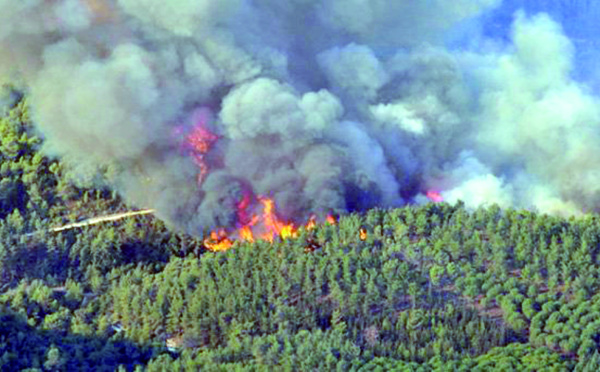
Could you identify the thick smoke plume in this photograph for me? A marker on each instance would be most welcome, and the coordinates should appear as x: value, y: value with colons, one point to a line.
x: 324, y: 106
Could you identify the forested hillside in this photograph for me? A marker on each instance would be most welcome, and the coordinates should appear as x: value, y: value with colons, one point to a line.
x: 421, y: 288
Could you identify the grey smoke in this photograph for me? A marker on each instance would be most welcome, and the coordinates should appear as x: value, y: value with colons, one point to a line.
x: 326, y: 106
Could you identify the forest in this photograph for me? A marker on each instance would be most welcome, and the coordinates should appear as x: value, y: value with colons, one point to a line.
x: 434, y: 287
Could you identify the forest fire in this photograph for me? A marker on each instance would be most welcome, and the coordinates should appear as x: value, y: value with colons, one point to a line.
x: 265, y: 226
x: 273, y: 225
x: 251, y: 226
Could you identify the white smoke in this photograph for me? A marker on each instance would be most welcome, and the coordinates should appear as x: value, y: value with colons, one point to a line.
x: 537, y: 120
x: 474, y: 183
x: 323, y: 105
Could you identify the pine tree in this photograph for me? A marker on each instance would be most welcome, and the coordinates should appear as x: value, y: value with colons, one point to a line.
x: 589, y: 364
x: 54, y: 361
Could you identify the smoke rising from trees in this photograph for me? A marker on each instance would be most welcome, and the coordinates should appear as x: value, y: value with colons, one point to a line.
x: 325, y: 106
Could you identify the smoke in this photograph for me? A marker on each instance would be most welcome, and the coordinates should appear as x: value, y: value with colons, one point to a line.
x: 325, y: 106
x: 535, y: 116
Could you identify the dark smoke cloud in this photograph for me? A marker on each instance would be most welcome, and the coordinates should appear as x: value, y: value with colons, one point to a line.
x: 326, y: 106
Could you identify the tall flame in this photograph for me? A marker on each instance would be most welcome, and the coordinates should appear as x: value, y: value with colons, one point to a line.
x: 273, y: 225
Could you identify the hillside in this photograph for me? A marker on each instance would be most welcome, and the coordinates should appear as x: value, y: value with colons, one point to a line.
x: 420, y: 288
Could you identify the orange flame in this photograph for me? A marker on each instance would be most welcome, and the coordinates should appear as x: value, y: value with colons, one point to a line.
x: 218, y: 241
x: 273, y: 224
x: 246, y: 234
x: 362, y: 234
x: 268, y: 226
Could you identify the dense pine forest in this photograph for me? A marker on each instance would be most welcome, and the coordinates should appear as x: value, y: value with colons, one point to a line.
x: 421, y: 288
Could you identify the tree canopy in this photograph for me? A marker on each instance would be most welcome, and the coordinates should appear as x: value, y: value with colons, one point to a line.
x: 419, y: 288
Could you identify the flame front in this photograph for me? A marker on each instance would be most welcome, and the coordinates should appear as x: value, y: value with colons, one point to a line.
x: 265, y: 226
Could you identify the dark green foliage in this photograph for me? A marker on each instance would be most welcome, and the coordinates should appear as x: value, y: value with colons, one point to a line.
x: 25, y: 346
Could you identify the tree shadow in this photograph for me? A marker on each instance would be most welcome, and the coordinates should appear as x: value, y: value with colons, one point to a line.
x: 23, y: 346
x: 33, y: 258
